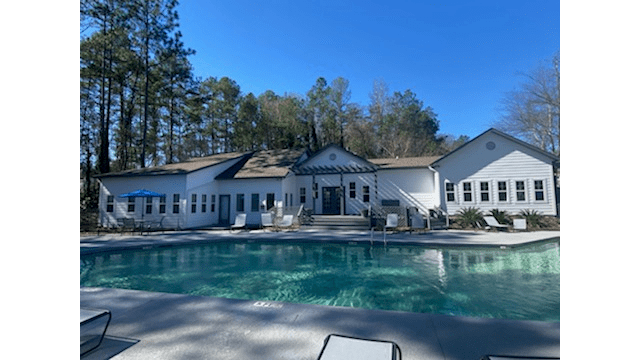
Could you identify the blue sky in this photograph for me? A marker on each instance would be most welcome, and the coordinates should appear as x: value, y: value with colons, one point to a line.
x: 459, y: 57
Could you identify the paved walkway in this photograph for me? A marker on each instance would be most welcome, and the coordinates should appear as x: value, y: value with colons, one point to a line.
x: 148, y: 325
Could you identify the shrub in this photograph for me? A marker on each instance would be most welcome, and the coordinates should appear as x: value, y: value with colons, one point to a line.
x: 500, y: 215
x: 532, y: 217
x: 468, y: 217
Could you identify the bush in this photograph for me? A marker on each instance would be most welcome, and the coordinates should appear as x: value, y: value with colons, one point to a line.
x: 532, y: 217
x: 469, y: 217
x: 501, y: 216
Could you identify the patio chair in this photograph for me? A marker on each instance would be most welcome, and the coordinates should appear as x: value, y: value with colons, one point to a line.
x: 494, y: 224
x: 240, y: 223
x: 128, y: 223
x: 417, y: 222
x: 286, y: 222
x: 266, y: 220
x: 520, y: 224
x: 392, y: 223
x: 337, y: 347
x: 93, y: 326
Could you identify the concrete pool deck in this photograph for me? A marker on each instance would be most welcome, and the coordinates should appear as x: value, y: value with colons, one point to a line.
x: 147, y: 325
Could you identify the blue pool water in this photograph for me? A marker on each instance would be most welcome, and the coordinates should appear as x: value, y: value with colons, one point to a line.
x: 521, y: 283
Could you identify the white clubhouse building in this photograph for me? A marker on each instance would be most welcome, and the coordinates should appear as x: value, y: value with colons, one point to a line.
x: 494, y: 170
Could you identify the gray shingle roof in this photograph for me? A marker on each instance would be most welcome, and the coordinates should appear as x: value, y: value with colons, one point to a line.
x: 410, y: 162
x: 177, y: 168
x: 264, y: 164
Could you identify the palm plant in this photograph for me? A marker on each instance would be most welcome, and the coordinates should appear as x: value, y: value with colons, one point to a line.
x: 532, y: 217
x: 500, y: 215
x: 469, y: 216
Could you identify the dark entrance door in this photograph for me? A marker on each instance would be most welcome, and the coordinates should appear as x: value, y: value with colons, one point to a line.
x: 225, y: 207
x: 331, y: 200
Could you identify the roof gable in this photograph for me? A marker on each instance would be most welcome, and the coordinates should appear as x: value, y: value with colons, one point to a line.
x: 492, y: 131
x: 263, y: 164
x: 333, y: 159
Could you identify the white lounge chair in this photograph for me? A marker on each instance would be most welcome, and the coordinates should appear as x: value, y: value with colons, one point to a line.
x: 93, y: 326
x: 240, y: 223
x: 266, y: 220
x: 520, y: 224
x: 287, y: 221
x: 338, y: 347
x: 392, y: 223
x: 493, y: 223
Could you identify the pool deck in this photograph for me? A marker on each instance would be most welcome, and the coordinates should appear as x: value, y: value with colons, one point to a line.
x: 147, y: 325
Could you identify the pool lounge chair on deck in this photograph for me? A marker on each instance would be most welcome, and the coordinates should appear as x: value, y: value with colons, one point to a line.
x: 240, y: 223
x: 493, y: 223
x: 286, y: 222
x: 392, y: 223
x: 93, y: 326
x: 266, y: 220
x: 337, y: 347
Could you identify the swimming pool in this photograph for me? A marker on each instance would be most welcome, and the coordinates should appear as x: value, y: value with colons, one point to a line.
x: 521, y: 283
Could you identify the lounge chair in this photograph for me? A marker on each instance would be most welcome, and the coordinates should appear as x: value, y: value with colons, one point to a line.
x: 502, y: 357
x: 287, y: 221
x: 417, y: 222
x: 240, y: 223
x: 520, y: 224
x: 266, y: 220
x: 493, y: 223
x: 392, y: 223
x: 338, y: 347
x: 93, y: 326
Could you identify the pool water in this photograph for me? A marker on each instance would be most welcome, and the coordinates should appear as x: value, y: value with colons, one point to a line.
x: 521, y: 283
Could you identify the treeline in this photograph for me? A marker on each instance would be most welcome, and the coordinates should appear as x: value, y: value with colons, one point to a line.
x: 141, y: 105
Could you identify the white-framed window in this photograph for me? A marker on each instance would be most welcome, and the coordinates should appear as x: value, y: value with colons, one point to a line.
x: 176, y: 203
x: 365, y: 194
x: 149, y: 207
x: 450, y: 191
x: 213, y: 202
x: 352, y: 190
x: 521, y: 190
x: 131, y: 206
x: 110, y: 202
x: 163, y: 205
x: 502, y: 191
x: 538, y: 187
x: 467, y: 193
x: 484, y: 191
x: 255, y: 202
x: 240, y: 202
x: 303, y: 195
x: 204, y: 203
x: 194, y: 202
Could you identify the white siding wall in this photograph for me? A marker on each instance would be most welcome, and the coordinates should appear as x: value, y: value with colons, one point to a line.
x: 248, y: 187
x: 508, y: 162
x: 413, y: 187
x: 169, y: 185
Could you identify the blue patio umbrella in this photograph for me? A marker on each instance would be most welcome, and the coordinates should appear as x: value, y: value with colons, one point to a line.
x: 143, y: 193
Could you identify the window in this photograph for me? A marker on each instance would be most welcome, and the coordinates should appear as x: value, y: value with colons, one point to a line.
x: 303, y: 195
x: 502, y: 191
x: 131, y: 207
x: 213, y: 203
x: 204, y: 203
x: 240, y: 202
x: 538, y: 186
x: 110, y: 200
x: 163, y: 205
x: 194, y: 202
x: 149, y: 207
x: 466, y: 191
x: 484, y: 191
x: 365, y: 193
x: 271, y: 199
x: 352, y: 190
x: 255, y: 202
x: 176, y: 203
x: 286, y: 200
x: 449, y: 188
x: 520, y: 191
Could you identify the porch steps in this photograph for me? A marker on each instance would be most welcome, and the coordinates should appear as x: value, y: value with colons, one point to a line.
x: 337, y: 222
